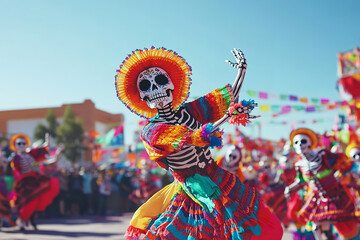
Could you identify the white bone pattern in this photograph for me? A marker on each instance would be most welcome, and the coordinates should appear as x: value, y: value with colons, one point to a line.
x: 313, y: 164
x: 26, y: 163
x: 190, y: 155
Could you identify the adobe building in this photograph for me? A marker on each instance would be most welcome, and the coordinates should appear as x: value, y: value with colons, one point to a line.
x: 25, y: 120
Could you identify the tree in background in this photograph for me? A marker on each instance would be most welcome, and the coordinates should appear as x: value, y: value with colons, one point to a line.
x: 71, y: 134
x: 50, y: 127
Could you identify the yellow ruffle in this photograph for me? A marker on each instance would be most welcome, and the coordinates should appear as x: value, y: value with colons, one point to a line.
x: 154, y: 206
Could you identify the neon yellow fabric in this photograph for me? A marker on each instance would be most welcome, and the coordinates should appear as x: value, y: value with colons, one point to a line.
x: 154, y: 206
x: 324, y: 173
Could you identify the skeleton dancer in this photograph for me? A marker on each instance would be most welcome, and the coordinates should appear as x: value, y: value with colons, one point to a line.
x: 328, y: 202
x: 205, y: 201
x: 34, y: 191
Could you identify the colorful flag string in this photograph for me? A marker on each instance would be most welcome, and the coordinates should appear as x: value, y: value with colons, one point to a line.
x: 307, y: 121
x: 288, y: 97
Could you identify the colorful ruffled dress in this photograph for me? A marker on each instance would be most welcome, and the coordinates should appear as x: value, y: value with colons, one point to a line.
x: 204, y: 201
x: 327, y: 200
x: 34, y: 191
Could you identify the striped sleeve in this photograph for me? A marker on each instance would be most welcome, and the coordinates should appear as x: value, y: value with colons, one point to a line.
x: 212, y: 106
x: 39, y: 154
x: 161, y: 140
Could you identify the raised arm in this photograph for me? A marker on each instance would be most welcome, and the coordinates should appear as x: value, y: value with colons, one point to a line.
x: 241, y: 66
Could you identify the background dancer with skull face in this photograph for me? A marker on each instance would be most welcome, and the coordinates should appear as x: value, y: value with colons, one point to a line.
x: 205, y: 201
x: 34, y: 191
x: 232, y: 161
x: 328, y: 201
x: 286, y: 175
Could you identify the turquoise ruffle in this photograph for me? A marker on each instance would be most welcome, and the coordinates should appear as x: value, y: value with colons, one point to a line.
x: 203, y: 189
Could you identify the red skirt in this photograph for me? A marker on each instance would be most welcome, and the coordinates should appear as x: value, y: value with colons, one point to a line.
x: 34, y: 193
x: 336, y: 208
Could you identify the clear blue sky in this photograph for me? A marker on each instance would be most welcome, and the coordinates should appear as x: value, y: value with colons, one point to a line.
x: 56, y: 52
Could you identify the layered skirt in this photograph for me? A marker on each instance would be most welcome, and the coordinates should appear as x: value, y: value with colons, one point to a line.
x: 337, y: 207
x: 34, y: 193
x: 215, y: 206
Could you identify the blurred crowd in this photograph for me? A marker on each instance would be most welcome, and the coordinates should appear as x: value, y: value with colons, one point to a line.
x: 94, y: 191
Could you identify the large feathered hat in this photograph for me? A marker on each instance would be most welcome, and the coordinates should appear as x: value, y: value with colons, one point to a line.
x: 141, y: 59
x: 12, y: 142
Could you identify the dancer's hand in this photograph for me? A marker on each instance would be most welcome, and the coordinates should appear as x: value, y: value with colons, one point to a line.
x: 240, y: 112
x: 240, y: 59
x: 241, y: 65
x: 47, y: 140
x: 247, y: 110
x: 59, y: 148
x: 287, y: 192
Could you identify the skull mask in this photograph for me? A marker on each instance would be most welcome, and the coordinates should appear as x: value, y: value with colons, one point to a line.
x: 20, y: 144
x: 155, y: 87
x: 355, y: 154
x: 232, y: 159
x: 302, y: 144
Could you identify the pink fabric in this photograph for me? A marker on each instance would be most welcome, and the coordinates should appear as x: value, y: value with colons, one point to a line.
x: 271, y: 228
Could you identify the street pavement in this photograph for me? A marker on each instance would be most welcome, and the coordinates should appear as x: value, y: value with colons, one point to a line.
x: 89, y: 228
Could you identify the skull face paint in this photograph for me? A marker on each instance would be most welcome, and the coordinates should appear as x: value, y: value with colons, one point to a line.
x: 20, y: 144
x: 302, y: 144
x: 355, y: 154
x: 155, y: 87
x: 232, y: 159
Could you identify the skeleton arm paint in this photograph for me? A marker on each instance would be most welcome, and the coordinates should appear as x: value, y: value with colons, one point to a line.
x: 241, y: 65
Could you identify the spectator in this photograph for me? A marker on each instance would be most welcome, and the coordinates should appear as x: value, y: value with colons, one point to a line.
x: 64, y: 196
x: 75, y: 184
x: 87, y: 177
x: 95, y: 196
x: 114, y: 198
x: 125, y: 187
x: 104, y: 191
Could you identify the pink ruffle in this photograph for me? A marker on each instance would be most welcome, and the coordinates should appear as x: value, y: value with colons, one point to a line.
x: 135, y: 233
